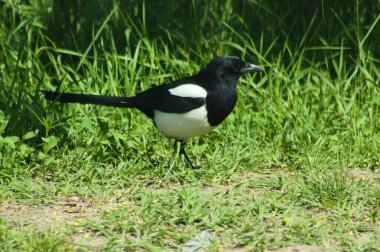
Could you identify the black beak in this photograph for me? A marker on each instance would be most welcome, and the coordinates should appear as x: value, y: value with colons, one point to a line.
x: 251, y: 68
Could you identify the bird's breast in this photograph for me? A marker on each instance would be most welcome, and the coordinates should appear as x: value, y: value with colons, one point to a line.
x: 183, y: 125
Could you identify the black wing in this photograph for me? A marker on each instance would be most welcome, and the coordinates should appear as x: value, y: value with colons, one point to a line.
x: 159, y: 98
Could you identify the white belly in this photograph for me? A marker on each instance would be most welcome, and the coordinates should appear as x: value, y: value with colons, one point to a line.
x: 183, y: 126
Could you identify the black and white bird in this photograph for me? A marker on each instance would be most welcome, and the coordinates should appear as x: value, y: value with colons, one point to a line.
x: 188, y: 107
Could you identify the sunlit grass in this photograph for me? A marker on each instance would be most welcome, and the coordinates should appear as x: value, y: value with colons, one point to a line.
x: 275, y: 173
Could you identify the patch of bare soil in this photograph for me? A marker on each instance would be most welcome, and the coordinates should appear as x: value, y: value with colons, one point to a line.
x: 242, y: 178
x: 372, y: 176
x: 65, y: 212
x: 303, y: 248
x: 291, y: 248
x: 68, y: 210
x: 361, y: 238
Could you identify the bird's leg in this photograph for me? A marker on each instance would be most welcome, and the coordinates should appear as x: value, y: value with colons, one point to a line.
x: 183, y: 153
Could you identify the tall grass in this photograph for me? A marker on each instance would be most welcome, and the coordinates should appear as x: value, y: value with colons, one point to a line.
x: 319, y: 93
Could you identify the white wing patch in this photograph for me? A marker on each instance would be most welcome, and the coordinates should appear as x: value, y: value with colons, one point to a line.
x: 183, y: 126
x: 189, y: 90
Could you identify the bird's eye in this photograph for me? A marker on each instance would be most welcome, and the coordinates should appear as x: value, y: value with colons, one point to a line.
x: 236, y: 67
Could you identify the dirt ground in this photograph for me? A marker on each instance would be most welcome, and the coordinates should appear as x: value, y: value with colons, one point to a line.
x: 65, y: 212
x: 71, y: 211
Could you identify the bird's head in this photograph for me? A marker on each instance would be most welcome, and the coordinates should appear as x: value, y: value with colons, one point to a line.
x: 229, y: 67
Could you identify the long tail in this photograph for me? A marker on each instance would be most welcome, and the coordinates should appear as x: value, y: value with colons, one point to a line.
x: 112, y: 101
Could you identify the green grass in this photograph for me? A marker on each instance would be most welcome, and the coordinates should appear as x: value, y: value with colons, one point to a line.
x: 296, y: 164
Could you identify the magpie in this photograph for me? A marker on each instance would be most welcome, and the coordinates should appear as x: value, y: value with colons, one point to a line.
x: 188, y: 107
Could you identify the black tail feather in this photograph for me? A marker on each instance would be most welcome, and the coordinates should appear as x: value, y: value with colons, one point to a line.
x: 112, y: 101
